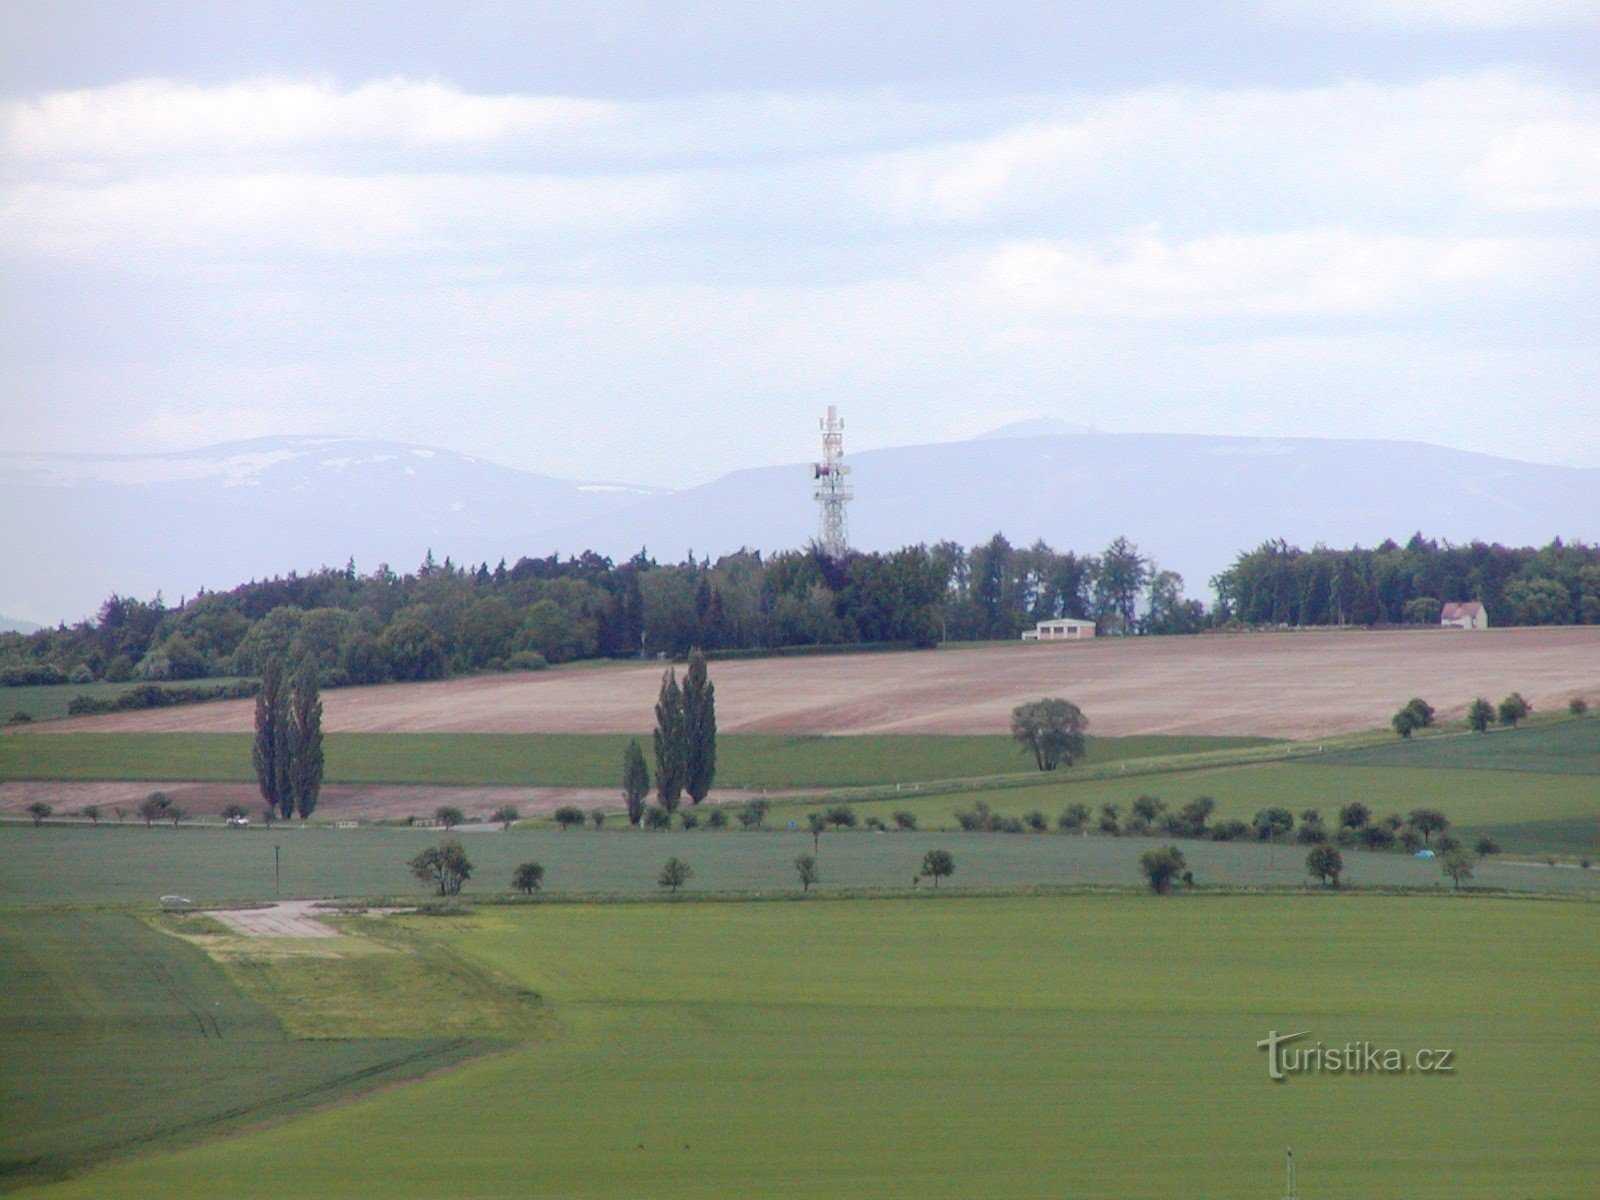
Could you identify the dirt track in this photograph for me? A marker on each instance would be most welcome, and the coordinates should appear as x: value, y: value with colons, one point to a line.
x: 1291, y: 684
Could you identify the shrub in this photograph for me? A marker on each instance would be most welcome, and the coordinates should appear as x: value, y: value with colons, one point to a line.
x: 31, y: 675
x: 21, y: 717
x: 875, y: 824
x: 1410, y: 840
x: 1161, y: 867
x: 1446, y: 843
x: 39, y: 810
x: 528, y: 877
x: 449, y: 816
x: 905, y: 820
x: 1486, y: 846
x: 597, y: 817
x: 1190, y: 820
x: 1325, y: 864
x: 1376, y: 837
x: 232, y: 812
x: 806, y: 867
x: 569, y: 816
x: 1312, y: 831
x: 717, y: 818
x: 656, y: 817
x: 1229, y: 831
x: 1272, y: 823
x: 82, y: 673
x: 1513, y: 709
x: 753, y: 813
x: 1577, y: 706
x: 1480, y: 715
x: 1354, y: 815
x: 689, y: 818
x: 1108, y: 819
x: 526, y: 660
x: 1036, y: 821
x: 92, y: 811
x: 1073, y: 818
x: 506, y: 816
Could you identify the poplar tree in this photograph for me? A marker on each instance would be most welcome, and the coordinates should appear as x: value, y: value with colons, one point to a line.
x: 699, y: 729
x: 305, y: 740
x: 669, y: 742
x: 635, y: 782
x: 270, y: 754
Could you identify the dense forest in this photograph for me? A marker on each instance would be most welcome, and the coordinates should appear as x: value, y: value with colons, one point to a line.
x: 1278, y: 584
x: 444, y: 619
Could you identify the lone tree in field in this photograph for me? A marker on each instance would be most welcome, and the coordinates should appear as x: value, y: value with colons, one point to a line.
x: 674, y: 874
x: 528, y: 877
x: 699, y: 729
x: 1480, y: 715
x: 937, y: 865
x: 445, y: 867
x: 305, y: 741
x: 1513, y: 709
x: 449, y: 816
x: 39, y: 810
x: 1458, y: 865
x: 806, y: 867
x: 635, y: 782
x: 1051, y: 730
x: 506, y: 816
x: 669, y: 742
x: 1325, y: 864
x: 271, y: 751
x: 1161, y: 867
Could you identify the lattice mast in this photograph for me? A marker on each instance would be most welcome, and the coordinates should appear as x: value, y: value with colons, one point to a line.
x: 833, y: 489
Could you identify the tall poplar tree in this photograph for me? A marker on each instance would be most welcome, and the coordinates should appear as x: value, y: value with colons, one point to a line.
x: 669, y: 742
x: 305, y: 740
x: 270, y: 753
x: 699, y: 729
x: 635, y: 782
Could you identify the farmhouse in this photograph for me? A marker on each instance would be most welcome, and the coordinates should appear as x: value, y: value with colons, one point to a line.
x: 1465, y: 615
x: 1063, y: 630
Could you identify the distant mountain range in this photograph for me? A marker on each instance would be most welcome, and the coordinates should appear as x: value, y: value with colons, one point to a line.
x: 77, y: 527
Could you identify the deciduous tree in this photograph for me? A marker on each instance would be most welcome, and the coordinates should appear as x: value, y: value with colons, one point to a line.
x: 1161, y: 867
x: 445, y: 866
x: 1052, y: 730
x: 674, y: 874
x: 528, y: 877
x: 937, y: 865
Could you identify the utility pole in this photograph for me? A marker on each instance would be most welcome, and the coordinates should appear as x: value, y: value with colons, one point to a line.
x: 277, y: 868
x: 1290, y: 1191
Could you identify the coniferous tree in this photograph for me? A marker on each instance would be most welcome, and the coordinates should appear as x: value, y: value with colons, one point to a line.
x: 635, y: 782
x: 669, y: 742
x: 699, y: 729
x: 305, y: 741
x: 270, y: 752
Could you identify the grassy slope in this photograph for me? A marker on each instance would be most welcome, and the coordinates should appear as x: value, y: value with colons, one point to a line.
x: 1085, y: 1047
x: 1563, y: 747
x: 556, y: 760
x: 67, y: 865
x: 118, y: 1038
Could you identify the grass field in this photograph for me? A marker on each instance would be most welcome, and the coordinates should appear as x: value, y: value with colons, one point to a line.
x: 48, y: 701
x: 118, y: 1039
x: 75, y: 865
x: 1560, y: 746
x: 555, y: 760
x: 1007, y: 1048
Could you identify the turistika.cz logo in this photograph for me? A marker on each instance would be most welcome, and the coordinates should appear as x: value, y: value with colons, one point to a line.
x: 1351, y: 1058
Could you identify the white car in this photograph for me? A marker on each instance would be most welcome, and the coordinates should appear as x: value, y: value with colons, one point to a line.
x: 239, y: 822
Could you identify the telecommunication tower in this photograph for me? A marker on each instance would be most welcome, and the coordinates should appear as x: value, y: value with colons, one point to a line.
x: 833, y: 491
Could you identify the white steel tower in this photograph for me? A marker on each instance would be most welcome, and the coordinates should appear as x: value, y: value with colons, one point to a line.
x: 833, y: 492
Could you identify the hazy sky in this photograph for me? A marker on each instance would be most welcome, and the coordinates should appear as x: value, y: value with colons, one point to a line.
x: 651, y: 242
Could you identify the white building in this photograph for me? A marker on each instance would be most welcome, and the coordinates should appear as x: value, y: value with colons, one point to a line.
x: 1465, y: 615
x: 1067, y: 629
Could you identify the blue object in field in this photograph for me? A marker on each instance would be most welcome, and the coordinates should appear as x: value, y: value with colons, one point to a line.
x: 1423, y: 854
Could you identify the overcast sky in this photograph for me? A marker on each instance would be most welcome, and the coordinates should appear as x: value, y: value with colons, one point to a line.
x: 650, y: 242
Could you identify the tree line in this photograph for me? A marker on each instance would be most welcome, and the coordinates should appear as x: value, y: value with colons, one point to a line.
x: 444, y: 619
x: 1390, y: 584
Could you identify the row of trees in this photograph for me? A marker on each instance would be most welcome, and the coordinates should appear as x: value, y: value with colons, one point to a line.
x: 287, y: 752
x: 1279, y: 584
x: 443, y: 618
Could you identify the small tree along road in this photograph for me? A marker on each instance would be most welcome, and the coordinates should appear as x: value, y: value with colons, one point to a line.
x: 1051, y: 730
x: 806, y: 867
x: 1161, y: 867
x: 674, y: 874
x: 528, y: 877
x: 1325, y: 864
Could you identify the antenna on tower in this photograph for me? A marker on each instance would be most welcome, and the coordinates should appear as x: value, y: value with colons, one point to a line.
x: 833, y: 492
x: 1290, y: 1192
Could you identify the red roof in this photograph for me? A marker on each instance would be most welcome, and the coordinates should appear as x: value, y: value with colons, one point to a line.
x: 1459, y: 610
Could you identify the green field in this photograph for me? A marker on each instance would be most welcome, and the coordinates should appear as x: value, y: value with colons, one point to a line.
x: 118, y: 1039
x: 555, y: 760
x: 132, y: 864
x: 48, y: 701
x: 1560, y: 747
x: 1017, y: 1048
